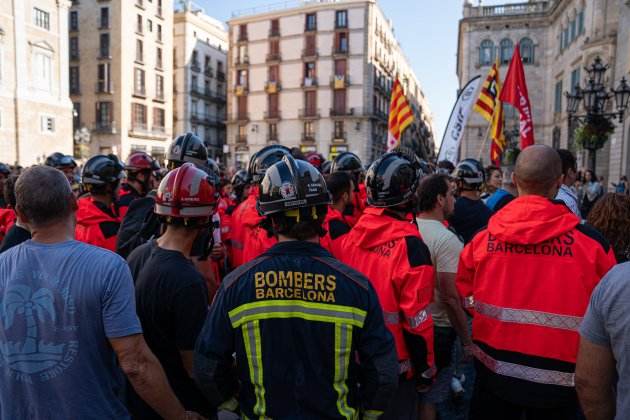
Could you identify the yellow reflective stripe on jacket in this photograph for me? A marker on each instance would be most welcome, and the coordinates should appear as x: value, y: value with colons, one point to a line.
x: 310, y: 311
x: 372, y: 414
x: 343, y: 348
x: 251, y: 338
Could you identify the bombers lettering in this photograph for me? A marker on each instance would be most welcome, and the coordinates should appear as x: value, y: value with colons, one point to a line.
x: 295, y: 285
x: 556, y: 247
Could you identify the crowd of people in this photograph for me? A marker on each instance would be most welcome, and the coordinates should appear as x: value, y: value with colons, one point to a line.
x: 301, y: 288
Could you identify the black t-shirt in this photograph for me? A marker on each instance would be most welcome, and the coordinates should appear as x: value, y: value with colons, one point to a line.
x: 470, y: 217
x: 15, y: 236
x: 138, y: 258
x: 172, y: 304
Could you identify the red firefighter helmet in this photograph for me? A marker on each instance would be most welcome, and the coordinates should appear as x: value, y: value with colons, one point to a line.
x: 186, y: 192
x: 141, y: 161
x: 315, y: 159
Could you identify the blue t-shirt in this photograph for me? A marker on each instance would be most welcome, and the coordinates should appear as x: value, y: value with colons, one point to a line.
x: 59, y: 304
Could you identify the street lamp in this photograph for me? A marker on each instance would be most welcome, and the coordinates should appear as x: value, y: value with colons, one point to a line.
x: 594, y: 98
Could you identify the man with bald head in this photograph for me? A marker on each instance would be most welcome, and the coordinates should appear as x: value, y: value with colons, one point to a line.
x: 526, y: 280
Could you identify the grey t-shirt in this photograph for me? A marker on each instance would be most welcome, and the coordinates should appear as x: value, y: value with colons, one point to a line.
x: 59, y: 304
x: 607, y: 323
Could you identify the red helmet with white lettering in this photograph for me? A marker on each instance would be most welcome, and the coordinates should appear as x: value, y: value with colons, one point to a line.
x: 186, y: 193
x: 141, y: 161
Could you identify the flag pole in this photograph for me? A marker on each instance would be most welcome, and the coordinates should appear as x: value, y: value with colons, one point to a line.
x: 485, y: 140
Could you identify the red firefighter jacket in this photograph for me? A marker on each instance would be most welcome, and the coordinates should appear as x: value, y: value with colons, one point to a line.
x: 528, y: 278
x: 7, y: 219
x: 96, y: 224
x: 336, y: 227
x: 126, y: 194
x: 390, y: 253
x: 359, y: 203
x: 238, y: 230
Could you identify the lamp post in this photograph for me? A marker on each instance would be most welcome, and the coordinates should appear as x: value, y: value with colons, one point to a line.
x: 594, y: 98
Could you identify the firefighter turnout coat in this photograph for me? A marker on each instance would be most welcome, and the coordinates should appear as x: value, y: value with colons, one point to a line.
x: 304, y: 326
x: 96, y: 223
x: 527, y: 279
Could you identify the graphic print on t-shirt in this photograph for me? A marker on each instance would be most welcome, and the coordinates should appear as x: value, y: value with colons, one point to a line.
x: 38, y: 327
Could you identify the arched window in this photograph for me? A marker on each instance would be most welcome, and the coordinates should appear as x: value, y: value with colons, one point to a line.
x: 486, y: 53
x: 527, y: 51
x: 507, y: 47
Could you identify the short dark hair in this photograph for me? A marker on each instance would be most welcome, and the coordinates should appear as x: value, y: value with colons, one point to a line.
x: 429, y: 189
x: 43, y: 194
x: 338, y: 183
x: 9, y: 190
x: 447, y: 165
x: 307, y: 228
x: 490, y: 169
x: 568, y: 160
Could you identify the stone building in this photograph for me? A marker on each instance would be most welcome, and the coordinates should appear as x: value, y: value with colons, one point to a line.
x: 558, y: 38
x: 318, y: 75
x: 200, y: 62
x: 121, y: 75
x: 35, y: 111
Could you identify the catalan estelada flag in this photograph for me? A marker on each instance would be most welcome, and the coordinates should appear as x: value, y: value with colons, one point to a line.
x: 491, y: 109
x: 400, y: 116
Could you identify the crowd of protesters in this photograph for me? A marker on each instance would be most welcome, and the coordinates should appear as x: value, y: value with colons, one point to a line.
x: 302, y: 288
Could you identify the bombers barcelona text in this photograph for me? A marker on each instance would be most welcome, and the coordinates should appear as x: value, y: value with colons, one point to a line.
x: 295, y: 285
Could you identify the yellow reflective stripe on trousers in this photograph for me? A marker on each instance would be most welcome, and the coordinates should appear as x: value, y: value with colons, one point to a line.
x: 310, y: 311
x: 343, y: 348
x: 251, y: 338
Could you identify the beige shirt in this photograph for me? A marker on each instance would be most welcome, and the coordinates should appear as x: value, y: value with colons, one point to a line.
x: 445, y: 248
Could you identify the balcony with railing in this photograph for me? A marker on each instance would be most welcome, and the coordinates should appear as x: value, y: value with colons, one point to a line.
x: 308, y: 137
x: 516, y: 9
x: 272, y: 138
x: 341, y: 112
x: 339, y: 81
x: 274, y: 56
x: 208, y: 71
x: 140, y: 128
x: 242, y: 61
x: 220, y: 75
x: 339, y: 137
x: 273, y: 114
x: 310, y: 53
x: 104, y: 87
x: 240, y: 117
x: 105, y: 127
x: 308, y: 82
x: 272, y: 86
x: 241, y: 139
x: 309, y: 113
x: 194, y: 66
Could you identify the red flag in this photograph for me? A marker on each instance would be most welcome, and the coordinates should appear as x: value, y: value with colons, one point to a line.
x: 514, y: 92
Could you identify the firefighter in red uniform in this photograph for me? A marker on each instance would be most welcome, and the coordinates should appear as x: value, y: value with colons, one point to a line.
x: 341, y: 189
x: 140, y: 168
x: 385, y: 246
x: 527, y: 279
x: 350, y: 163
x: 240, y: 191
x: 97, y: 218
x: 249, y: 240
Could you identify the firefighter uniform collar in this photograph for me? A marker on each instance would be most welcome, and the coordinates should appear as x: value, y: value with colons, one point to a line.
x: 298, y: 248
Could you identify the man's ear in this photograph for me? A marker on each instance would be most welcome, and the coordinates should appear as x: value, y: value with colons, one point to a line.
x: 20, y: 216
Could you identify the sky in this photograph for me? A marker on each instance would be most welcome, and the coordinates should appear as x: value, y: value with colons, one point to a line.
x: 426, y: 30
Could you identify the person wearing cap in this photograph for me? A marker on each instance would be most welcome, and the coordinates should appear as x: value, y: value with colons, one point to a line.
x: 141, y: 169
x: 97, y: 216
x: 171, y: 294
x: 386, y: 247
x: 307, y: 332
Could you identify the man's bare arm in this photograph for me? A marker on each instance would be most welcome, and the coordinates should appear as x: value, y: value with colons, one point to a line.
x: 595, y: 380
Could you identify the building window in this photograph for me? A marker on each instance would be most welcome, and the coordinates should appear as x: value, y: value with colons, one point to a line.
x: 575, y: 79
x: 310, y: 103
x: 159, y: 8
x: 74, y: 48
x: 242, y: 56
x: 580, y: 18
x: 507, y: 47
x: 309, y: 130
x: 193, y: 82
x: 274, y: 49
x: 273, y: 132
x: 242, y: 133
x: 159, y: 32
x: 565, y: 36
x: 557, y: 108
x: 242, y: 32
x: 104, y: 84
x: 341, y: 19
x: 139, y: 87
x: 41, y: 18
x: 272, y: 103
x: 104, y: 114
x: 241, y: 77
x: 159, y: 87
x: 340, y: 67
x: 75, y: 81
x: 158, y: 58
x: 527, y: 51
x: 47, y: 124
x: 76, y: 115
x: 275, y: 28
x: 573, y: 30
x: 74, y: 20
x: 139, y: 24
x: 42, y: 70
x: 150, y: 25
x: 339, y: 130
x: 311, y: 22
x: 139, y: 51
x: 104, y: 19
x: 310, y: 74
x: 274, y: 73
x: 104, y: 45
x: 555, y: 138
x: 341, y: 42
x: 339, y: 102
x: 241, y: 107
x: 139, y: 116
x: 207, y: 65
x: 486, y: 53
x: 159, y: 119
x: 194, y: 107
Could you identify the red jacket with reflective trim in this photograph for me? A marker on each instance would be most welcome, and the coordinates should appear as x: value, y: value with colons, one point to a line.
x: 96, y: 224
x: 530, y: 275
x: 238, y: 230
x: 7, y: 219
x: 336, y: 227
x: 390, y: 253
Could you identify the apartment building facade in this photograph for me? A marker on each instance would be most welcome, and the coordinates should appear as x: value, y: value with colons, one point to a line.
x: 200, y: 65
x: 35, y: 110
x: 120, y: 75
x: 558, y: 39
x: 318, y: 76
